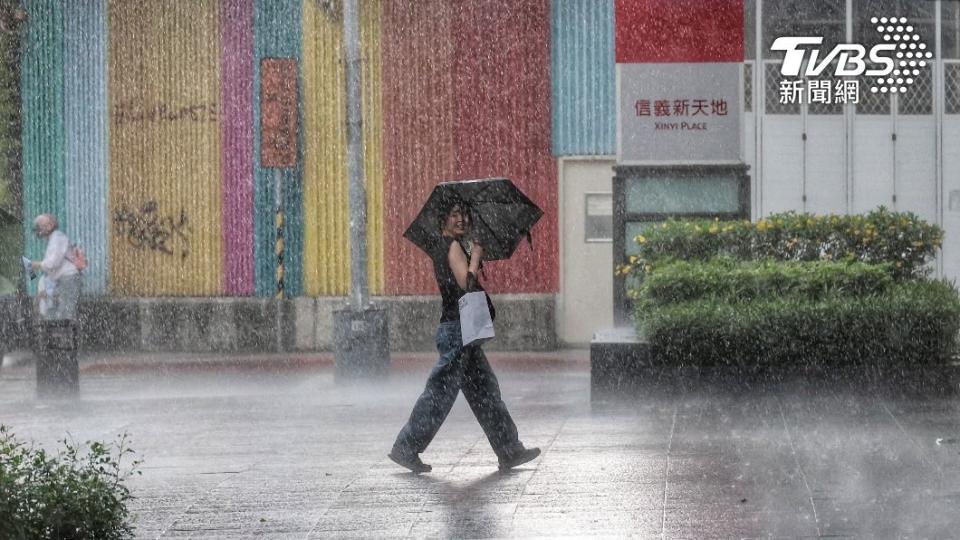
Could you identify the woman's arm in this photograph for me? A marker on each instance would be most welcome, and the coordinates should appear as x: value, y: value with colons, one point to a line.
x: 459, y: 264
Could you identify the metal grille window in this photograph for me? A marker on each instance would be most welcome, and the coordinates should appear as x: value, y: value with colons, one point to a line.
x: 950, y: 50
x: 825, y: 108
x: 871, y: 103
x: 748, y: 87
x: 921, y: 16
x: 825, y: 18
x: 918, y: 99
x: 952, y: 87
x: 830, y: 105
x: 772, y: 91
x: 950, y: 17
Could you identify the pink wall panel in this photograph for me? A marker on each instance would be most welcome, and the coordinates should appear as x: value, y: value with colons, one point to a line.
x: 236, y: 94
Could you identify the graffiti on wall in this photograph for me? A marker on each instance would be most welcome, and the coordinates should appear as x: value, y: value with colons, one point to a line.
x: 147, y: 228
x: 130, y: 112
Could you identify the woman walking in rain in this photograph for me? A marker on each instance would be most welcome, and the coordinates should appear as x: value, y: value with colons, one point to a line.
x: 459, y: 367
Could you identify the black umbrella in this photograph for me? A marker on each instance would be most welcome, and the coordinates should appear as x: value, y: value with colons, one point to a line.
x: 500, y: 215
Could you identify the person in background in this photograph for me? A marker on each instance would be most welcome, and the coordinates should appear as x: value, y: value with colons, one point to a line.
x: 61, y: 279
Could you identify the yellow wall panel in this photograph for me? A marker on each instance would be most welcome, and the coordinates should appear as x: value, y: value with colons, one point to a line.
x: 370, y: 34
x: 165, y: 185
x: 326, y: 210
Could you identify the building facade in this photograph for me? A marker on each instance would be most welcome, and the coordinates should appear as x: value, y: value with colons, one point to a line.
x: 899, y: 151
x: 141, y: 129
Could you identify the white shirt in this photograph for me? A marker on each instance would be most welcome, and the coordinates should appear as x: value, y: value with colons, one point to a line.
x: 55, y: 264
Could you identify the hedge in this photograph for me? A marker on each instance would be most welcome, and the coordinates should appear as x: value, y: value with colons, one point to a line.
x: 728, y: 280
x: 881, y: 236
x: 910, y: 323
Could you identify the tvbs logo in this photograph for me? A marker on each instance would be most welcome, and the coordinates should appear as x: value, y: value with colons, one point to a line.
x: 895, y: 62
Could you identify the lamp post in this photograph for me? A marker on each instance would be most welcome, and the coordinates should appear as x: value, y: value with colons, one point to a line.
x: 360, y: 335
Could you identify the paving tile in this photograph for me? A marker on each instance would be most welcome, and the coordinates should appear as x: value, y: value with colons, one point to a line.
x: 295, y: 455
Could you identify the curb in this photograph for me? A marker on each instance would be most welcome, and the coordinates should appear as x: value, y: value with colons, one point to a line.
x: 399, y: 362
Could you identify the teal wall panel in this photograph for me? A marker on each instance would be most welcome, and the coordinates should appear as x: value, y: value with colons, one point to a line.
x: 85, y: 127
x: 583, y: 77
x: 43, y: 128
x: 277, y: 33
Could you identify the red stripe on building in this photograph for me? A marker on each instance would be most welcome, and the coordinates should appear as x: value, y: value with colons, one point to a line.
x: 654, y: 31
x: 418, y: 129
x: 502, y: 87
x: 467, y: 95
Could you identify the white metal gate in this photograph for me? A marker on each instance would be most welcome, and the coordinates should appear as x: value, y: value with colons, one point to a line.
x: 900, y: 151
x: 951, y: 168
x: 802, y: 152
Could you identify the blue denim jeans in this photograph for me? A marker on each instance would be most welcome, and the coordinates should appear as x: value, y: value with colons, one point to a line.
x: 459, y: 368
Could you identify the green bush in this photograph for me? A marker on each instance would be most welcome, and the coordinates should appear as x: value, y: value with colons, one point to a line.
x: 910, y: 323
x: 881, y: 236
x: 729, y: 280
x: 71, y: 495
x: 793, y: 290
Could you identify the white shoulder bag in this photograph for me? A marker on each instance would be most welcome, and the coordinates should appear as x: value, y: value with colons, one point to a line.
x: 476, y: 325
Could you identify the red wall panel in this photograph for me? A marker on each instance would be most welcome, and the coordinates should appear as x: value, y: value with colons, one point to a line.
x: 418, y: 129
x: 467, y: 90
x: 502, y: 127
x: 653, y: 31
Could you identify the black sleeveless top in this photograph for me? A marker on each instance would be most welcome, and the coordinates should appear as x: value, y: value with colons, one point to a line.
x: 450, y: 290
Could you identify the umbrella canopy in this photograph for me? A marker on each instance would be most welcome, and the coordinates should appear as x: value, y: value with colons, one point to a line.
x: 500, y: 215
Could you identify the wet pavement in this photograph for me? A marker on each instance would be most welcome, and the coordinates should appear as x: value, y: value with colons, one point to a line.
x: 272, y: 447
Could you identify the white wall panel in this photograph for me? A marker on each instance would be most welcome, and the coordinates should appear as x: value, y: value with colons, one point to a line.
x: 872, y: 163
x: 825, y: 164
x: 782, y: 147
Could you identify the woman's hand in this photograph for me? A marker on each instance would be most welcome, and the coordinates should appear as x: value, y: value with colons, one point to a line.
x: 476, y: 255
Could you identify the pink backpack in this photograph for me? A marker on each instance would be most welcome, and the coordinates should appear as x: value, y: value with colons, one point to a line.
x: 76, y: 256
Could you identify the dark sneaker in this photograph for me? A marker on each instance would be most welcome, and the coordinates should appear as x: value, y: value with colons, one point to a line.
x: 525, y: 455
x: 410, y: 461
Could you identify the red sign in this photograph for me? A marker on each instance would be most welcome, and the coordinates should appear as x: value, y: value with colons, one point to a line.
x: 677, y: 31
x: 278, y: 113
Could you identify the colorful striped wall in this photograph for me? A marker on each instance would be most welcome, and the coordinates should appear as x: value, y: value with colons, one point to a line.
x: 141, y: 129
x: 327, y: 254
x: 582, y: 77
x: 165, y: 185
x: 466, y: 92
x: 85, y: 120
